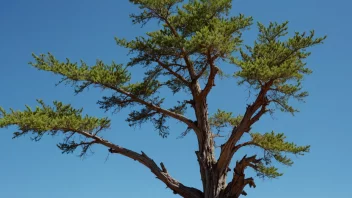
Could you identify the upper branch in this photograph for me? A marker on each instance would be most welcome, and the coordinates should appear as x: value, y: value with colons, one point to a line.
x: 112, y: 77
x: 211, y: 79
x: 186, y: 58
x: 261, y: 112
x: 227, y: 149
x: 163, y: 15
x: 270, y: 64
x: 166, y: 112
x: 177, y: 75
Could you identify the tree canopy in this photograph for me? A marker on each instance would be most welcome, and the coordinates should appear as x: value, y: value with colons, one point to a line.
x: 195, y: 39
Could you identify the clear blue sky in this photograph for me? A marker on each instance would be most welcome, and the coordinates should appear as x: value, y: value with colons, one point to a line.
x: 86, y: 29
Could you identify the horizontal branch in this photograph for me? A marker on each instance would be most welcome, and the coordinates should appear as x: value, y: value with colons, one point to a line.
x: 249, y: 143
x: 177, y: 65
x: 166, y: 112
x: 111, y: 77
x: 151, y: 106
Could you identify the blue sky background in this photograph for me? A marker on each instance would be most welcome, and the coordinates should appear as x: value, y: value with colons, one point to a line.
x: 86, y: 29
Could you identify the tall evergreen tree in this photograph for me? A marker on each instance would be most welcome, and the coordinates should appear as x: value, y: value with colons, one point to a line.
x: 195, y: 39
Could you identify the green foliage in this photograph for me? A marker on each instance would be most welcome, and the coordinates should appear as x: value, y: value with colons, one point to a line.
x: 199, y: 28
x: 276, y: 62
x: 224, y: 119
x: 152, y: 9
x: 268, y: 172
x: 113, y: 75
x: 51, y: 120
x: 275, y: 147
x: 195, y: 15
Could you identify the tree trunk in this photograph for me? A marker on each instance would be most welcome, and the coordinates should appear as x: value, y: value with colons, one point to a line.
x: 205, y: 155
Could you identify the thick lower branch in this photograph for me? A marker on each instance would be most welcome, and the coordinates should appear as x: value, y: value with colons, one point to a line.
x: 235, y: 188
x: 161, y: 173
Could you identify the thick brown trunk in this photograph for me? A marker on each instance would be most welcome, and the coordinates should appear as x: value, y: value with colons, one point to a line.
x: 205, y: 155
x: 214, y: 182
x: 213, y: 187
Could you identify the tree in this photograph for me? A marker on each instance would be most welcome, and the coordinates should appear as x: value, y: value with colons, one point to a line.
x: 184, y: 56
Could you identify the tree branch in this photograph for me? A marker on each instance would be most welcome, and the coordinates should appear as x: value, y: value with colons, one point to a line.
x: 261, y: 112
x: 174, y: 32
x: 235, y: 188
x: 201, y: 72
x: 190, y: 67
x: 149, y: 105
x: 177, y: 75
x: 227, y: 149
x: 178, y: 65
x: 195, y: 88
x: 194, y: 85
x: 239, y: 146
x: 211, y: 79
x: 166, y: 112
x: 161, y: 173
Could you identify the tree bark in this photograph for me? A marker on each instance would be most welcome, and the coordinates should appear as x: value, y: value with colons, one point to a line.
x: 206, y: 152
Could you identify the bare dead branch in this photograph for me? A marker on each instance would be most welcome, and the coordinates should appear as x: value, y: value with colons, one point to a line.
x: 235, y: 188
x: 161, y: 173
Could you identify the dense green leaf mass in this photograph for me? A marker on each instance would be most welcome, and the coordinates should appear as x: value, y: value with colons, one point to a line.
x: 199, y: 29
x: 280, y: 63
